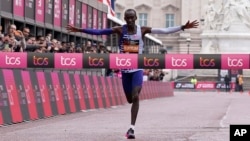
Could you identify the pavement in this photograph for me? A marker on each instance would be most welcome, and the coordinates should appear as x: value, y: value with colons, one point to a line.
x: 187, y: 116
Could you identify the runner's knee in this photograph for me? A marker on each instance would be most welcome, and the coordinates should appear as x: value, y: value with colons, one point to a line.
x: 130, y: 101
x: 129, y: 98
x: 135, y: 98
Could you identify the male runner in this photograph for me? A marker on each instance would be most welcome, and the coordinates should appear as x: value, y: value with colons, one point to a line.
x: 131, y: 41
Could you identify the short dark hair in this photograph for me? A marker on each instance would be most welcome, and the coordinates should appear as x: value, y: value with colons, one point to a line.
x: 128, y: 10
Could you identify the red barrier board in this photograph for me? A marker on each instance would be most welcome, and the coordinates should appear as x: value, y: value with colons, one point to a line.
x: 5, y: 105
x: 13, y: 97
x: 118, y: 95
x: 75, y: 92
x: 51, y: 93
x: 80, y: 91
x: 105, y: 91
x: 85, y: 92
x: 98, y: 92
x: 143, y: 91
x: 29, y: 95
x: 58, y: 93
x: 148, y: 90
x: 21, y: 94
x: 123, y: 97
x: 109, y: 96
x: 69, y: 92
x: 44, y: 94
x: 156, y: 89
x: 89, y: 91
x: 111, y: 90
x: 101, y: 91
x: 64, y: 93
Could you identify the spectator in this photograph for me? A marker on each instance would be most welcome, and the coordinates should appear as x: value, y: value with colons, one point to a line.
x: 161, y: 75
x: 78, y: 49
x: 41, y: 45
x: 194, y: 81
x: 87, y: 48
x: 237, y: 83
x: 26, y: 32
x: 155, y: 76
x: 11, y: 30
x: 241, y: 82
x: 48, y: 37
x: 166, y: 77
x: 227, y: 83
x: 109, y: 72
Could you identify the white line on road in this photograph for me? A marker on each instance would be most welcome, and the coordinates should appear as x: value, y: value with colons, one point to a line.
x: 225, y: 117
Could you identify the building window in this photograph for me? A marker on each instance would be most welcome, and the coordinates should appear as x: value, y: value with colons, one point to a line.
x: 170, y: 48
x: 118, y: 15
x: 169, y: 20
x: 143, y: 19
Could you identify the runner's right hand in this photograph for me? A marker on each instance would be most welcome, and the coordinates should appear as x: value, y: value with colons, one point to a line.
x: 71, y: 28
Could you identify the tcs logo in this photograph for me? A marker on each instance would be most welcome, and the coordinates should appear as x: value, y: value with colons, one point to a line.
x: 122, y: 62
x: 150, y: 62
x: 178, y: 62
x: 96, y: 61
x: 12, y: 60
x: 204, y: 62
x: 234, y: 62
x: 65, y: 61
x: 40, y: 61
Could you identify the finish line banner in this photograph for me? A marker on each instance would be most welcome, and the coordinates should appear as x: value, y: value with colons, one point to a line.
x: 124, y: 61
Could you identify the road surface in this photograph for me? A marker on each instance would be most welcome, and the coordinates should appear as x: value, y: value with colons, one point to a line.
x: 187, y: 116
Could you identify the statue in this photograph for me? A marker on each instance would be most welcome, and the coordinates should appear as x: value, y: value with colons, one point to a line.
x: 211, y: 47
x: 211, y: 16
x: 234, y: 10
x: 229, y: 32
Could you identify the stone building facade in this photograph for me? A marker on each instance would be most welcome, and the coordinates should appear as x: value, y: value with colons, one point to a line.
x: 166, y: 13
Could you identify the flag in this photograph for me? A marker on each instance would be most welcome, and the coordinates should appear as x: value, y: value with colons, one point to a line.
x: 110, y: 9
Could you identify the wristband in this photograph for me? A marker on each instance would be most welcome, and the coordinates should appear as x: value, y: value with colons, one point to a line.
x: 183, y: 27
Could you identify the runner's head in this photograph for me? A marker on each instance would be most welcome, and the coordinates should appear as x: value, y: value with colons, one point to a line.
x: 130, y: 17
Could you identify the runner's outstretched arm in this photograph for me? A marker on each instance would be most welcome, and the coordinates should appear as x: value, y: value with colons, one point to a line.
x: 169, y: 30
x: 107, y: 31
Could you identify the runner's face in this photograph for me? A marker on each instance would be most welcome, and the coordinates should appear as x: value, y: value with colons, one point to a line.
x: 130, y: 18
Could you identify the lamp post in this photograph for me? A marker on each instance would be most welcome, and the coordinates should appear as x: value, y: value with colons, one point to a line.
x: 188, y: 40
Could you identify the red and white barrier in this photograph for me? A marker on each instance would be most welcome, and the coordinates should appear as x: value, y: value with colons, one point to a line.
x: 29, y: 95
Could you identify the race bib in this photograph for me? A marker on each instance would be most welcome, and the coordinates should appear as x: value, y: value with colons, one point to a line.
x: 131, y: 46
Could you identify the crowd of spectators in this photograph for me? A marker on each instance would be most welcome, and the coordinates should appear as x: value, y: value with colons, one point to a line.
x: 21, y: 40
x: 154, y: 75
